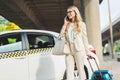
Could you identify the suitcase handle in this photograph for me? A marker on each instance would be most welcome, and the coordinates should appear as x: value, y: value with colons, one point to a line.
x: 92, y: 67
x: 95, y: 62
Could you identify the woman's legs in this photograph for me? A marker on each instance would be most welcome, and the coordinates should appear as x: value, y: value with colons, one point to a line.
x: 70, y: 67
x: 79, y: 59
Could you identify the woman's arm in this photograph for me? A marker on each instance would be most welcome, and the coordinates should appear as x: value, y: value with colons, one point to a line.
x: 85, y: 40
x: 62, y: 31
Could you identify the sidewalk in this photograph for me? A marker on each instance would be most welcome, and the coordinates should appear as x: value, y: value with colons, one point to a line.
x: 115, y: 66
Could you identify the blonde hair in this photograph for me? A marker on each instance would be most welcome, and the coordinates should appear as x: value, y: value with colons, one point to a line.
x: 78, y: 19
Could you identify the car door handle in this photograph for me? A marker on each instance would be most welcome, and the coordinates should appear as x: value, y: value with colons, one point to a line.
x: 20, y: 57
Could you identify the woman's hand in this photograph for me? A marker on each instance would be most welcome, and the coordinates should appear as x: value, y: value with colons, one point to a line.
x: 65, y: 21
x: 90, y: 57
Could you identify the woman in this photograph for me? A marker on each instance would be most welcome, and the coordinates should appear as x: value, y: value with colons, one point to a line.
x: 75, y: 31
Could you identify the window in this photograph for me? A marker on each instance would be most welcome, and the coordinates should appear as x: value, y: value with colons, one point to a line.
x: 40, y: 40
x: 10, y: 42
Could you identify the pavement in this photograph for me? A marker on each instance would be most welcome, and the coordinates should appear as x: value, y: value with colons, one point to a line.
x: 115, y: 66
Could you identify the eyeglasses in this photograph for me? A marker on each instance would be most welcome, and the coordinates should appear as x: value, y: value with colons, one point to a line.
x: 69, y: 11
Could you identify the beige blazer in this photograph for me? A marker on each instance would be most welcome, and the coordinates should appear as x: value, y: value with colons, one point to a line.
x: 80, y: 40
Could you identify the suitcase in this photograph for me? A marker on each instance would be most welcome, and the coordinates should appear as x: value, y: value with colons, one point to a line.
x: 100, y: 74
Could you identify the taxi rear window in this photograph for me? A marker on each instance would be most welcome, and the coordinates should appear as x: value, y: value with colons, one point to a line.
x: 40, y: 41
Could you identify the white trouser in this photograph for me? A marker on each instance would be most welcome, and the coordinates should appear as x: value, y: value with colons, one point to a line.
x: 77, y: 58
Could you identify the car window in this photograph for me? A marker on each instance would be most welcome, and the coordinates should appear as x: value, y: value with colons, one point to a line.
x: 10, y: 42
x: 40, y: 40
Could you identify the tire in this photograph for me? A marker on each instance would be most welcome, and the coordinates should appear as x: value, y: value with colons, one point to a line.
x: 65, y: 76
x: 86, y: 73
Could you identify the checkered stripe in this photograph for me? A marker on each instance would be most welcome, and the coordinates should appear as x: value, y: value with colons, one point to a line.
x: 24, y: 53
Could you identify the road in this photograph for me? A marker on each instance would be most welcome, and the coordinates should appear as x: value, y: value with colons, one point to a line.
x: 115, y: 66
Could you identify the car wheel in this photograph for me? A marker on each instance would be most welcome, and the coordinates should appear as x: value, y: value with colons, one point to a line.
x: 65, y: 76
x: 76, y: 73
x: 86, y: 72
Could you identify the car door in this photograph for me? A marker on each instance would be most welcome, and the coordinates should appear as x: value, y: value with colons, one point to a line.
x: 42, y: 64
x: 39, y: 59
x: 13, y: 58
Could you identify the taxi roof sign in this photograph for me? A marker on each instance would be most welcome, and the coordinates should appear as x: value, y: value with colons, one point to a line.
x: 12, y: 26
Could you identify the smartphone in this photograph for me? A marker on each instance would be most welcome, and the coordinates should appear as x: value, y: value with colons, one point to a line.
x: 67, y: 18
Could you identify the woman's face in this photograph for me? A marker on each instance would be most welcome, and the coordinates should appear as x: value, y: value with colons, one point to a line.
x: 71, y: 13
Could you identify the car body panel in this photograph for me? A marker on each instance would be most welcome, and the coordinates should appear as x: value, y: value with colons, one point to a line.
x: 14, y: 68
x: 47, y: 66
x: 24, y: 60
